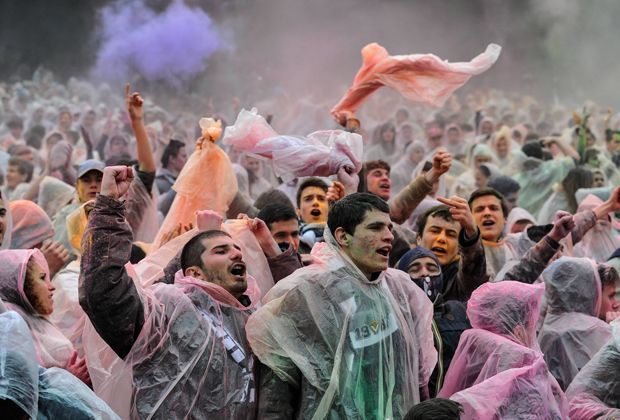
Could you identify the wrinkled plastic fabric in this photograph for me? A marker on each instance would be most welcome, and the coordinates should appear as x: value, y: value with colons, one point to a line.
x: 52, y: 347
x: 18, y: 372
x: 422, y: 78
x: 600, y: 241
x: 207, y: 181
x: 68, y: 315
x: 8, y: 226
x: 54, y: 194
x: 557, y: 201
x: 41, y: 393
x: 31, y: 226
x: 499, y: 357
x: 142, y: 213
x: 179, y: 365
x: 518, y: 214
x: 363, y: 347
x: 321, y: 153
x: 595, y: 391
x: 402, y: 171
x: 572, y: 332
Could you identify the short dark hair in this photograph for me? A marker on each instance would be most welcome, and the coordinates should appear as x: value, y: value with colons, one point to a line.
x: 482, y: 192
x: 23, y: 167
x: 171, y: 150
x: 272, y: 196
x: 435, y: 409
x: 504, y: 185
x: 368, y: 166
x: 441, y: 210
x: 193, y: 249
x: 276, y: 212
x: 307, y: 183
x: 607, y: 274
x: 351, y: 210
x: 533, y: 149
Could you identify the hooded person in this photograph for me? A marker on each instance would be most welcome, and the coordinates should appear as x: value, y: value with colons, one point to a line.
x: 563, y: 197
x: 31, y: 226
x: 595, y: 391
x: 385, y: 146
x: 401, y: 173
x: 450, y: 318
x: 519, y: 220
x: 346, y: 336
x: 499, y: 357
x: 466, y: 182
x: 182, y: 345
x: 572, y: 331
x: 506, y: 151
x: 25, y: 287
x: 28, y: 390
x: 600, y: 241
x: 6, y: 223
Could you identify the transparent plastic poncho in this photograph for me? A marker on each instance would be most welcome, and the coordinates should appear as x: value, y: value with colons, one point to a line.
x: 31, y: 226
x: 600, y: 241
x: 497, y: 370
x: 321, y: 153
x: 572, y: 332
x: 363, y: 348
x: 422, y: 78
x: 595, y: 391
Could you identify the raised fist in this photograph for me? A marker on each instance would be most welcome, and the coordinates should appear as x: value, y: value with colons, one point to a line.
x: 116, y: 181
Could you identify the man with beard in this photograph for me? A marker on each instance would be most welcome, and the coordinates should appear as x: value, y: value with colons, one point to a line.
x: 184, y: 343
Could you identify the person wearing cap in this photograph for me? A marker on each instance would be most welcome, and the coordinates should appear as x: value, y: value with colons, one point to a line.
x: 450, y: 317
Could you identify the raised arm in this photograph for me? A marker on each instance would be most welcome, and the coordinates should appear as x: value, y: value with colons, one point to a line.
x: 107, y: 293
x: 135, y: 105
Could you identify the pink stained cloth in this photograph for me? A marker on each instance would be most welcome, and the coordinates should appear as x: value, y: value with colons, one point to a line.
x: 422, y: 78
x: 499, y: 356
x: 31, y: 225
x: 600, y: 241
x: 52, y: 347
x: 321, y: 153
x: 207, y: 181
x: 595, y: 391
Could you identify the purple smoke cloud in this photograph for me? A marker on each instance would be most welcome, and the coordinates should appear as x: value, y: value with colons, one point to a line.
x: 172, y: 46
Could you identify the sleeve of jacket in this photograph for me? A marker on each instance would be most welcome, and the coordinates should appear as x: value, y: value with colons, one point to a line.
x: 534, y: 262
x: 472, y: 265
x: 107, y: 293
x: 408, y: 199
x: 584, y: 221
x: 277, y: 399
x: 284, y: 264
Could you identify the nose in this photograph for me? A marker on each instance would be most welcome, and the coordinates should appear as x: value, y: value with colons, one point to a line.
x: 51, y: 287
x: 441, y: 238
x: 236, y: 255
x: 388, y: 236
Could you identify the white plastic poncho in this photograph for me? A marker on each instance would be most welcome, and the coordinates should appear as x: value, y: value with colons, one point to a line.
x: 595, y: 391
x: 363, y: 347
x: 572, y: 332
x: 600, y: 241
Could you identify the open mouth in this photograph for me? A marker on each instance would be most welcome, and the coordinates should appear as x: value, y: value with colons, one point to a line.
x: 238, y: 270
x: 385, y: 251
x: 487, y: 223
x: 315, y: 212
x: 384, y: 186
x: 438, y: 250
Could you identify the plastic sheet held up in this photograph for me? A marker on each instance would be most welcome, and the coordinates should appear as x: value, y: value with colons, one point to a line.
x: 321, y: 153
x: 422, y: 78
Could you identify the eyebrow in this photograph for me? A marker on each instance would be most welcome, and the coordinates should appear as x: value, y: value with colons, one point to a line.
x: 226, y: 247
x: 380, y: 224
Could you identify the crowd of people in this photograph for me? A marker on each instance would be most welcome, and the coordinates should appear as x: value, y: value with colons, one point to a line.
x: 403, y: 263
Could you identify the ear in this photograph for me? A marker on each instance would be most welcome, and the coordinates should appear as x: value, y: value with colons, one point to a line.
x: 298, y: 211
x: 342, y: 237
x: 195, y: 272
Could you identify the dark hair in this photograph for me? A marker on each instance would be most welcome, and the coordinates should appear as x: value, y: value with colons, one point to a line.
x: 15, y: 122
x: 504, y: 185
x: 576, y: 178
x: 123, y: 159
x: 482, y: 192
x: 171, y: 150
x: 137, y: 254
x: 485, y: 170
x: 34, y: 136
x: 533, y: 149
x: 23, y: 167
x: 441, y: 210
x: 307, y: 183
x: 427, y: 166
x: 272, y: 196
x: 435, y: 409
x: 371, y: 165
x: 276, y: 212
x: 193, y: 249
x: 608, y: 274
x: 351, y: 210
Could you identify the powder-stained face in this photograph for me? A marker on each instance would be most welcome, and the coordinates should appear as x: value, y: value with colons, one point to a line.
x: 441, y: 237
x: 371, y: 243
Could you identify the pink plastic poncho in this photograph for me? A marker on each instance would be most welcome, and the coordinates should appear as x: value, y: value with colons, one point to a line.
x: 595, y: 391
x: 600, y: 241
x: 142, y: 213
x: 321, y: 153
x: 496, y: 371
x: 422, y: 78
x: 31, y: 226
x: 207, y: 181
x: 53, y: 348
x: 363, y: 348
x: 572, y: 332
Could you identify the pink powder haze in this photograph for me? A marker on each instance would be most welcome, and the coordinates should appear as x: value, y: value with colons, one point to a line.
x: 172, y: 46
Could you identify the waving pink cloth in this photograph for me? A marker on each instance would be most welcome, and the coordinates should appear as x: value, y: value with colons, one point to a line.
x: 420, y: 77
x: 321, y: 153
